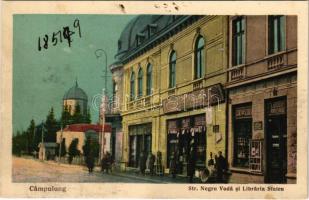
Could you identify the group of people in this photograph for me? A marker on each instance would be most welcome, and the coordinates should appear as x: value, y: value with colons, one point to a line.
x: 106, y: 162
x: 217, y: 167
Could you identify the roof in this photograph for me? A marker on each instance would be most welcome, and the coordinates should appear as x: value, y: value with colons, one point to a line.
x: 75, y: 92
x: 139, y: 26
x: 88, y: 127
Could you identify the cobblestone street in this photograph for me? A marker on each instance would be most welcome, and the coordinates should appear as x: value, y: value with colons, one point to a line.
x: 27, y: 170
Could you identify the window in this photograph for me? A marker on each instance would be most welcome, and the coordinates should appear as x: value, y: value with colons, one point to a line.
x: 132, y: 86
x: 149, y: 79
x: 199, y: 58
x: 276, y: 34
x: 238, y: 42
x: 140, y: 83
x: 172, y: 70
x: 242, y: 128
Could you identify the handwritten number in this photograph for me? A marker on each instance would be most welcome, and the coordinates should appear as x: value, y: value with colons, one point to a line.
x: 77, y: 25
x: 39, y: 44
x: 67, y: 34
x: 45, y: 39
x: 55, y: 39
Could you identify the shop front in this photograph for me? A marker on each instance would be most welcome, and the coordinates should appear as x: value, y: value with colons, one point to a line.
x: 186, y: 137
x: 139, y: 142
x: 262, y: 132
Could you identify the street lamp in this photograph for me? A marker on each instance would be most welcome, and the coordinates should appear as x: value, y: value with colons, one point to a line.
x: 99, y: 53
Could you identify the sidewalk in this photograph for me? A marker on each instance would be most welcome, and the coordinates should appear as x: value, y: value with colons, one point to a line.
x: 132, y: 174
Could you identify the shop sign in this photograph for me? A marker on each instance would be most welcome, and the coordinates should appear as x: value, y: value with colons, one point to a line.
x: 196, y: 99
x: 276, y: 107
x: 258, y: 125
x: 243, y: 112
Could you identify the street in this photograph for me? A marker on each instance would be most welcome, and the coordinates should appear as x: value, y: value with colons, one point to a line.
x: 27, y: 170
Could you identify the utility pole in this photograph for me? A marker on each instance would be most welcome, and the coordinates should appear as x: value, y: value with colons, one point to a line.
x: 99, y: 53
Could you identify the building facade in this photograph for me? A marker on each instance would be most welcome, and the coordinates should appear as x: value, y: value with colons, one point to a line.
x: 173, y: 101
x: 81, y: 132
x: 262, y: 96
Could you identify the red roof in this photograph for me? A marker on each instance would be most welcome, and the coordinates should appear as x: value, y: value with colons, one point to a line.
x: 86, y: 127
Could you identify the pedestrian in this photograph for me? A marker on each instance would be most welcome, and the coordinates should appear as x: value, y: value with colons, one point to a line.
x: 142, y: 163
x: 90, y: 162
x: 191, y: 165
x: 173, y: 167
x: 221, y: 167
x: 151, y: 164
x: 103, y: 163
x: 108, y: 161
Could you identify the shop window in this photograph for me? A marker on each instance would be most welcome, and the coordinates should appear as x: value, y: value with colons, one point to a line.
x: 140, y: 82
x: 276, y: 34
x: 139, y: 141
x: 238, y: 43
x: 199, y: 58
x: 149, y: 79
x: 172, y: 70
x: 242, y: 129
x: 132, y: 86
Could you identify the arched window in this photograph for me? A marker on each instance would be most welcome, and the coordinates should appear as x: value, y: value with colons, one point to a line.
x: 132, y: 86
x: 199, y: 58
x: 172, y: 70
x: 140, y: 83
x: 149, y: 79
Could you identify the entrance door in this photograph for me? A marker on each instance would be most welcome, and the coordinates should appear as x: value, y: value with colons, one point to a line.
x: 276, y: 149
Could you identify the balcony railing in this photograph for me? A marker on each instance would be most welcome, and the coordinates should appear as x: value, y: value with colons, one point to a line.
x: 275, y: 62
x: 237, y: 73
x: 198, y: 84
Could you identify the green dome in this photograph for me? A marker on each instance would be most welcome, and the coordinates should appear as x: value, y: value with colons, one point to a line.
x: 75, y: 93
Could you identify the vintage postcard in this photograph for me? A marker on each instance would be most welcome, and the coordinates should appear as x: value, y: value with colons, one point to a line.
x: 154, y: 99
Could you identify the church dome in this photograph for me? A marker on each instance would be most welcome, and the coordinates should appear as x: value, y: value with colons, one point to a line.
x: 140, y: 26
x: 75, y: 92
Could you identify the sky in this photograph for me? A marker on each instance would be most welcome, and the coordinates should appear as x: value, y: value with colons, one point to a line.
x: 41, y: 77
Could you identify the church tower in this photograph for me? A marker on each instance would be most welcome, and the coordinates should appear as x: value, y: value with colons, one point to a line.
x: 75, y: 95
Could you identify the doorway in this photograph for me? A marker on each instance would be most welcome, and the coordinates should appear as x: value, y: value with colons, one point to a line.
x: 276, y: 140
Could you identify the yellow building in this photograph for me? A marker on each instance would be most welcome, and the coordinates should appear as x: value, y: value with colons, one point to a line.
x: 173, y: 87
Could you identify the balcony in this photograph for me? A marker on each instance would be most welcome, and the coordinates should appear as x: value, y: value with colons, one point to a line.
x: 275, y: 62
x: 198, y: 84
x: 237, y: 73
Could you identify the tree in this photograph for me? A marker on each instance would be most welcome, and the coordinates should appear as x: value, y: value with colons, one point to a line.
x: 73, y: 151
x: 66, y: 117
x: 91, y: 147
x: 51, y: 127
x: 77, y: 116
x: 30, y: 133
x: 87, y: 118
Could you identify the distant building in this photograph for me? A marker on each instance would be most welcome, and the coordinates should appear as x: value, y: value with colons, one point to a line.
x: 47, y: 150
x: 81, y: 132
x: 75, y: 96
